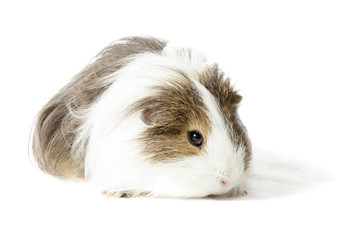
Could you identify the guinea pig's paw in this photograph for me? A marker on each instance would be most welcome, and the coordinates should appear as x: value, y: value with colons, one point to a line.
x: 233, y: 193
x: 117, y: 194
x: 123, y: 194
x: 236, y: 191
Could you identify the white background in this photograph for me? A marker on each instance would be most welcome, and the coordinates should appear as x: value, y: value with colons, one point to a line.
x: 297, y: 64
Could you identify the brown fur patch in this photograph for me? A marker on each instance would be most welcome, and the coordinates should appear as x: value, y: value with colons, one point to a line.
x: 171, y: 114
x: 56, y: 127
x: 228, y: 99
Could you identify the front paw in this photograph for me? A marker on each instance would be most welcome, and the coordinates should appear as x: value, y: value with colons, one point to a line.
x: 116, y: 194
x: 122, y: 194
x: 236, y: 192
x: 232, y: 193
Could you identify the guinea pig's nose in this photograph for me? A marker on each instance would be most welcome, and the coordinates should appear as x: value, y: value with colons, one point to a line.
x: 224, y: 178
x: 224, y: 182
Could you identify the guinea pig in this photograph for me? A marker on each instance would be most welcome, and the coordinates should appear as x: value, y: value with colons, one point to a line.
x: 144, y: 118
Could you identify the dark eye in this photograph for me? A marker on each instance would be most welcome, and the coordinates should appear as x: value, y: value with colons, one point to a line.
x: 195, y: 138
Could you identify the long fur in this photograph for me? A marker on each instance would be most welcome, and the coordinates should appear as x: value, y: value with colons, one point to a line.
x: 59, y: 121
x: 122, y: 124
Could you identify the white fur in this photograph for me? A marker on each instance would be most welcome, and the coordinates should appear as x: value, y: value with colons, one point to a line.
x: 113, y: 160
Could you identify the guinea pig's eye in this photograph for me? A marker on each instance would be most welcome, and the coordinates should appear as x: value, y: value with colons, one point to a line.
x: 195, y: 138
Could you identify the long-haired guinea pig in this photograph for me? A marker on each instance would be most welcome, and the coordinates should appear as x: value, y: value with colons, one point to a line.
x: 145, y: 118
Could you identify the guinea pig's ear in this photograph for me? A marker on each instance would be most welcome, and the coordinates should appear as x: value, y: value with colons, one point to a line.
x: 148, y: 115
x: 145, y: 116
x: 237, y: 98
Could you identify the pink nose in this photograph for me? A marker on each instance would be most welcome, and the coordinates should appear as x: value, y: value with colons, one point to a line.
x: 223, y: 182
